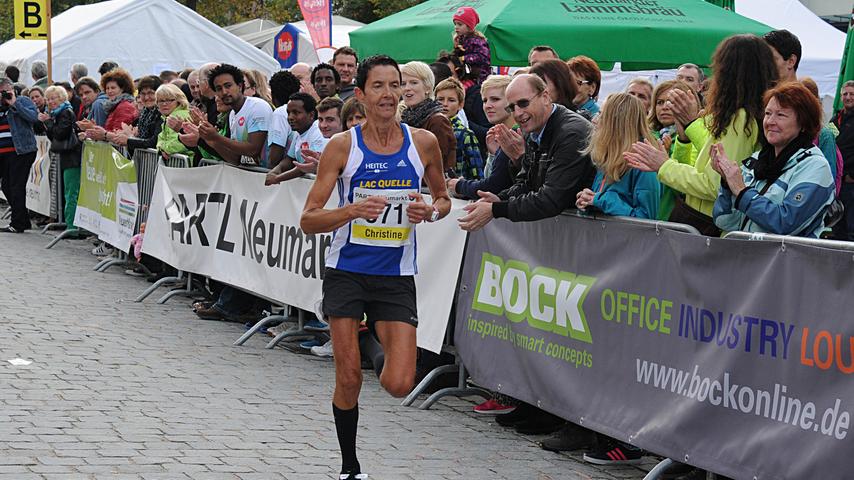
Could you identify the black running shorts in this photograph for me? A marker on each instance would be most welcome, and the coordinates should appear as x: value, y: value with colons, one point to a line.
x: 381, y: 297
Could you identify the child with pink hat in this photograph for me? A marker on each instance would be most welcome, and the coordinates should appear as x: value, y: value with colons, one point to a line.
x: 471, y: 47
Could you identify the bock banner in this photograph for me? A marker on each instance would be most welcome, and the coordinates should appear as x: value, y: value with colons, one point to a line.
x: 222, y: 222
x: 108, y: 200
x: 735, y: 356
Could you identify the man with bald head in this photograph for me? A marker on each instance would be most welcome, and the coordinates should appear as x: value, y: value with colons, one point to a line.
x: 207, y: 101
x: 302, y: 71
x: 553, y: 169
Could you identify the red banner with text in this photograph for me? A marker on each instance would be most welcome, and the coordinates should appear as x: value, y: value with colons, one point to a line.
x: 318, y: 19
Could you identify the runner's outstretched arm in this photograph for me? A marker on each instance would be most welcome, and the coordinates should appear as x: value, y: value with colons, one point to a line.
x: 431, y: 157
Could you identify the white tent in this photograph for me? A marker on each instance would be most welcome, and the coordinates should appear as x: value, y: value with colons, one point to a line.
x: 143, y: 36
x: 822, y: 44
x: 261, y: 33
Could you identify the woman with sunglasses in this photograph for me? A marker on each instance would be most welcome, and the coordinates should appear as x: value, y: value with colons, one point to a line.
x: 588, y: 79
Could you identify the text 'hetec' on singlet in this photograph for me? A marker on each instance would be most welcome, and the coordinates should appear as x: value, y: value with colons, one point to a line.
x: 385, y: 246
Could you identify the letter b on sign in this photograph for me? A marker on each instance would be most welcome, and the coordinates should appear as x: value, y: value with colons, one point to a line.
x: 31, y: 19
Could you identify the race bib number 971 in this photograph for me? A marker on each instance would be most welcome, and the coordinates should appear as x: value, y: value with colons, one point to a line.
x: 391, y: 228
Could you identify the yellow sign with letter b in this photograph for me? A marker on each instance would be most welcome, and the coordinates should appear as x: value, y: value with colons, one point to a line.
x: 31, y: 19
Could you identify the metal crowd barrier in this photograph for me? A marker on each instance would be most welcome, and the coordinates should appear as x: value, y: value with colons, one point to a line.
x: 783, y: 240
x: 149, y: 160
x: 57, y: 203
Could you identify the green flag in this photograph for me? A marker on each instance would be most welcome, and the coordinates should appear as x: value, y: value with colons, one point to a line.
x: 846, y: 70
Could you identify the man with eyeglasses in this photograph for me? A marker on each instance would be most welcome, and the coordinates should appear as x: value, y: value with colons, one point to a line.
x: 553, y: 168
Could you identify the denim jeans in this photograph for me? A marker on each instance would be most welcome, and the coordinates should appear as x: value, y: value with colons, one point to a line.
x: 233, y: 301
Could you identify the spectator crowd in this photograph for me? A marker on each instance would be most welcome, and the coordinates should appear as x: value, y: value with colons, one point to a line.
x: 742, y: 146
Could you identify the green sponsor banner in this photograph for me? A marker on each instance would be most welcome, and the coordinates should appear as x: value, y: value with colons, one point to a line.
x: 108, y: 200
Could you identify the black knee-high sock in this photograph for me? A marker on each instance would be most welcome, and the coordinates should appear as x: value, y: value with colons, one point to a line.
x: 346, y: 423
x: 372, y: 349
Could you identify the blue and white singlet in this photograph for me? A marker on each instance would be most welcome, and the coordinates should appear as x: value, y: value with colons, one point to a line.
x: 387, y: 245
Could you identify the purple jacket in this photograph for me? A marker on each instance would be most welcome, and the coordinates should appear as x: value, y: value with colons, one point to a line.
x: 476, y: 55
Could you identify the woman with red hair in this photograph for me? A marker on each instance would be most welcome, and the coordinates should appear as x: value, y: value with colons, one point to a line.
x: 786, y: 187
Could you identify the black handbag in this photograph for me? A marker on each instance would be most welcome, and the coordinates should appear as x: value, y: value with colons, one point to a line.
x: 65, y: 145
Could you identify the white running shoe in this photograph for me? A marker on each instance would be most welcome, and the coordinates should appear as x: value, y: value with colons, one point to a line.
x: 353, y: 476
x: 324, y: 350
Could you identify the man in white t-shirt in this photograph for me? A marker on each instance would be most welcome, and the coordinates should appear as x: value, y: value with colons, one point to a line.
x: 282, y: 85
x: 302, y: 117
x: 248, y: 120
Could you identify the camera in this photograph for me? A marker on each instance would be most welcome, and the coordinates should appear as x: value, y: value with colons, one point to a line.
x: 6, y: 95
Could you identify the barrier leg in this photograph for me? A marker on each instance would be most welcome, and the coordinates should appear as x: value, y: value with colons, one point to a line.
x: 187, y: 291
x: 102, y: 263
x: 296, y: 331
x: 120, y: 260
x: 659, y: 470
x: 258, y: 326
x: 66, y: 233
x: 426, y: 381
x: 461, y: 390
x: 53, y: 226
x: 148, y: 291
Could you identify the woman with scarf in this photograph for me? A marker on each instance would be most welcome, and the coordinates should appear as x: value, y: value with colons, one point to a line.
x: 59, y: 125
x: 119, y: 106
x: 786, y: 187
x: 422, y: 111
x: 144, y: 133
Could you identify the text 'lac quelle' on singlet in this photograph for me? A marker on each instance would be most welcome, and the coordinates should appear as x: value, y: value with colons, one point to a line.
x: 387, y: 245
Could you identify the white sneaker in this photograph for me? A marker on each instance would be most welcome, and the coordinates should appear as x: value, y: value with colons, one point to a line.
x: 103, y: 250
x: 324, y: 350
x: 353, y: 476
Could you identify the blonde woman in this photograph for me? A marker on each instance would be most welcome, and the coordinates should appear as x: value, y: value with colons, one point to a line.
x: 257, y: 86
x: 59, y: 120
x: 172, y: 103
x: 618, y: 189
x: 423, y: 112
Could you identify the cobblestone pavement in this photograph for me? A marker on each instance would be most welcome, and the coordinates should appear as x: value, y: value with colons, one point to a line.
x: 119, y: 390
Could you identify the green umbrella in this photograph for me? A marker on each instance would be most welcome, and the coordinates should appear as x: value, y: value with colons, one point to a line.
x: 846, y: 71
x: 728, y: 4
x: 643, y: 34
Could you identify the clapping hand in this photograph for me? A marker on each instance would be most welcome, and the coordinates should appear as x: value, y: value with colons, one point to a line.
x: 645, y: 156
x: 190, y: 137
x: 174, y: 123
x: 511, y: 142
x: 726, y: 168
x: 584, y: 199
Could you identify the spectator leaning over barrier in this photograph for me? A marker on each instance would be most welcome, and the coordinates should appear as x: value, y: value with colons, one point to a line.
x: 588, y: 79
x: 449, y: 93
x: 500, y: 170
x: 844, y: 121
x: 345, y: 60
x: 744, y: 70
x: 307, y: 139
x: 247, y: 120
x: 17, y: 152
x: 352, y: 113
x: 39, y: 74
x: 641, y: 88
x: 207, y: 104
x: 424, y: 112
x: 554, y: 169
x: 786, y: 187
x: 172, y: 104
x: 144, y: 134
x: 541, y: 53
x: 282, y: 85
x: 87, y: 89
x: 664, y: 129
x: 618, y: 189
x: 36, y: 94
x: 325, y: 80
x: 60, y: 129
x: 559, y: 82
x: 694, y: 77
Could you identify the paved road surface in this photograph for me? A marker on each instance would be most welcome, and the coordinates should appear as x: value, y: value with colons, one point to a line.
x: 122, y: 390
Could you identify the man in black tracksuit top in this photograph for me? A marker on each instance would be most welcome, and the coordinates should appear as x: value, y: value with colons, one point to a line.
x: 553, y: 168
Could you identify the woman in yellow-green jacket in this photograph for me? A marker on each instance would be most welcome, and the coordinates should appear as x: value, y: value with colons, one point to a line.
x: 744, y: 69
x: 172, y: 104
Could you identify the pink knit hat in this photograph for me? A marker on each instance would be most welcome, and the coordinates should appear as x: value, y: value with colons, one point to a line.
x: 468, y: 16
